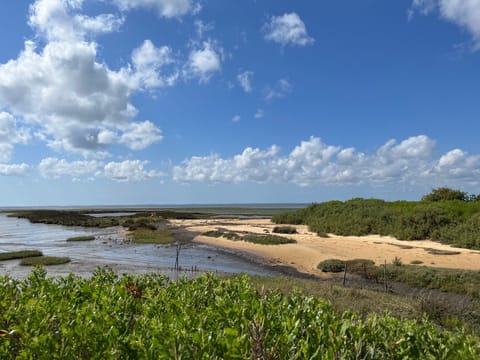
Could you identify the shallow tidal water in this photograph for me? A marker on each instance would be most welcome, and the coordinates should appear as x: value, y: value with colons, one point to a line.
x: 109, y: 248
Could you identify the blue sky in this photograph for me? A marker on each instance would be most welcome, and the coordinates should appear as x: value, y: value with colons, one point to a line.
x: 218, y: 101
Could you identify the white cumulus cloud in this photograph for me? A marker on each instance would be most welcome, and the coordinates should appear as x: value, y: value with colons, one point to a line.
x: 204, y: 60
x: 10, y: 135
x: 140, y: 135
x: 165, y: 8
x: 287, y: 29
x: 313, y: 162
x: 14, y: 169
x: 59, y: 20
x: 73, y: 100
x: 54, y: 168
x: 128, y: 171
x: 124, y: 171
x: 149, y: 62
x: 464, y: 13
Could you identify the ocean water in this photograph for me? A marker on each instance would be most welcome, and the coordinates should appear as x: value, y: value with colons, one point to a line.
x: 109, y: 248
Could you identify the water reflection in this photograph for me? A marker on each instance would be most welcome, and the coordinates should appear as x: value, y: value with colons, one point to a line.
x: 109, y: 247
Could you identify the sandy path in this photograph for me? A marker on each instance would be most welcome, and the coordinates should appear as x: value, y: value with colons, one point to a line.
x: 310, y: 249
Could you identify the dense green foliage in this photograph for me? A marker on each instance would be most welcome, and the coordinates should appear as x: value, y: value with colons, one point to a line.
x: 44, y: 260
x: 150, y: 317
x: 11, y: 255
x: 257, y: 239
x: 284, y: 230
x: 81, y: 238
x: 332, y: 265
x: 444, y: 193
x: 453, y: 222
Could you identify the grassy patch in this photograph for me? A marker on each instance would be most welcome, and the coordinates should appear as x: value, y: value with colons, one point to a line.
x: 44, y: 260
x: 284, y: 230
x: 257, y: 239
x: 416, y: 262
x: 81, y: 238
x: 268, y: 239
x: 366, y: 302
x: 19, y: 254
x: 457, y: 281
x: 148, y: 236
x: 227, y: 235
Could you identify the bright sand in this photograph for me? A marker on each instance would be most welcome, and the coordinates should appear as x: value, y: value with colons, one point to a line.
x: 311, y: 249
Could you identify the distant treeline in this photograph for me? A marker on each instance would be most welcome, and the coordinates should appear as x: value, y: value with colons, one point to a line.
x: 444, y: 215
x: 77, y: 218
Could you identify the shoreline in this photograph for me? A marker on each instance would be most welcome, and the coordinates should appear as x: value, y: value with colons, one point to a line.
x: 298, y: 260
x: 303, y: 257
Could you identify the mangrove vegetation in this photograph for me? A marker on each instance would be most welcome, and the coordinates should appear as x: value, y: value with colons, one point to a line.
x: 444, y: 215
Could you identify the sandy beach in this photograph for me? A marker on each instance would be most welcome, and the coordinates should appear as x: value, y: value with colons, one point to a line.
x: 311, y: 249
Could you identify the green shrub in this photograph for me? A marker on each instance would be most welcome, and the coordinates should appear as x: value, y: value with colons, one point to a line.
x: 445, y: 194
x: 151, y: 317
x: 397, y: 261
x: 284, y: 230
x: 416, y: 262
x: 332, y: 265
x: 268, y: 239
x: 452, y: 222
x: 257, y: 239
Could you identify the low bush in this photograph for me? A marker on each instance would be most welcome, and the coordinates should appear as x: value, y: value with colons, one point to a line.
x: 284, y: 230
x: 268, y: 239
x: 397, y: 261
x: 332, y: 265
x: 257, y: 239
x: 416, y: 262
x: 453, y: 222
x: 151, y: 317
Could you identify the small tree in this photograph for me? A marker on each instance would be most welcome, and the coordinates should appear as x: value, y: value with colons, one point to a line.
x: 445, y: 193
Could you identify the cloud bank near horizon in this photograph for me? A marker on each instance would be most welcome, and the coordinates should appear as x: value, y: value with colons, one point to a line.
x: 313, y: 162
